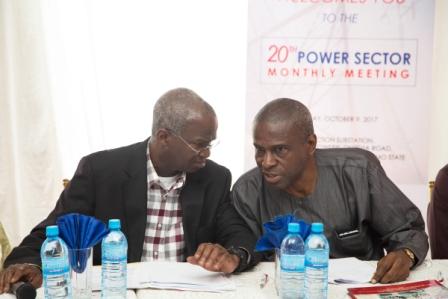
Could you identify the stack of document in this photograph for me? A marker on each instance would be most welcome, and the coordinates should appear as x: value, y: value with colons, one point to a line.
x: 349, y: 270
x: 171, y: 275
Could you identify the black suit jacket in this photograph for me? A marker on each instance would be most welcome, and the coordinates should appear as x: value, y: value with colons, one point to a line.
x: 113, y: 184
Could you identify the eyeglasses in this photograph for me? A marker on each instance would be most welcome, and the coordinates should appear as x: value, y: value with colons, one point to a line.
x: 197, y: 149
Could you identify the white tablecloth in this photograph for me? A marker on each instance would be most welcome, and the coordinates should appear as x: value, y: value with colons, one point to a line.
x: 96, y: 295
x: 248, y: 284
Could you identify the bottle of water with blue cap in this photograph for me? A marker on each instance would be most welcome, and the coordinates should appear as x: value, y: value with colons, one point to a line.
x: 55, y: 265
x: 114, y: 256
x: 292, y: 264
x: 317, y: 253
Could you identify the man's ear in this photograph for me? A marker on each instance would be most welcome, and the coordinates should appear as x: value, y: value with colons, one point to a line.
x: 311, y: 141
x: 162, y: 136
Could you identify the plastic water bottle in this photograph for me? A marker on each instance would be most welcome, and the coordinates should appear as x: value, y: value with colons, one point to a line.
x: 114, y: 253
x: 292, y: 264
x: 317, y: 252
x: 55, y: 265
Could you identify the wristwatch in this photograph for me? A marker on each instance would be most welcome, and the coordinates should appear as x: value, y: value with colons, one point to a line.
x: 410, y: 255
x: 244, y: 256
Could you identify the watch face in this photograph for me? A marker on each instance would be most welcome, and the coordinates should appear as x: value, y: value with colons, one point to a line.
x: 236, y: 251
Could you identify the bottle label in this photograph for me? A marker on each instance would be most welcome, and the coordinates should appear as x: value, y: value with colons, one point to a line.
x: 292, y: 262
x: 115, y: 253
x: 55, y: 266
x: 316, y: 259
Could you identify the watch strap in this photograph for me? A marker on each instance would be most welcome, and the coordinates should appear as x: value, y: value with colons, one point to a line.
x: 410, y: 255
x: 243, y: 254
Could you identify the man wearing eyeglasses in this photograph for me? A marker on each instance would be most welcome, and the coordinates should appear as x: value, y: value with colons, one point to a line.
x: 364, y: 213
x: 172, y: 201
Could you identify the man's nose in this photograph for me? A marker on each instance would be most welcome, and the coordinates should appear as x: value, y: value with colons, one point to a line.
x: 268, y: 160
x: 205, y: 153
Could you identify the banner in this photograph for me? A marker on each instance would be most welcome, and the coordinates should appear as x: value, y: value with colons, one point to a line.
x: 362, y: 67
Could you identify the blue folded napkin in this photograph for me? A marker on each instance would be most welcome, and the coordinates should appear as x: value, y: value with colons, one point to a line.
x: 79, y: 232
x: 277, y: 229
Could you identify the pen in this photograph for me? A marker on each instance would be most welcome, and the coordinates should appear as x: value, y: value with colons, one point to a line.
x: 264, y: 280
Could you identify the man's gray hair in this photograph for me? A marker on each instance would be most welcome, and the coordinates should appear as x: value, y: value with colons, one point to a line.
x: 290, y: 110
x: 176, y: 107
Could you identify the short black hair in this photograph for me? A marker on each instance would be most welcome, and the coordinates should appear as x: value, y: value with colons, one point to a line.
x: 285, y: 109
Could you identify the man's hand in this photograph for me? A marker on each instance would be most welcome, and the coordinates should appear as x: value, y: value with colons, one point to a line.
x: 214, y: 257
x: 393, y: 267
x: 20, y: 272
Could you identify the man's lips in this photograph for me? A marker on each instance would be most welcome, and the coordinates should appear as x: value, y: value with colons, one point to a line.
x: 271, y: 177
x: 201, y: 163
x: 196, y: 165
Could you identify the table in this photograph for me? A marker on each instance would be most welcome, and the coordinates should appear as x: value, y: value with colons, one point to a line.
x: 248, y: 284
x: 96, y: 295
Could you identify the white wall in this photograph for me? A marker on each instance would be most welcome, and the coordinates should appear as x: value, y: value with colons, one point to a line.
x: 136, y: 51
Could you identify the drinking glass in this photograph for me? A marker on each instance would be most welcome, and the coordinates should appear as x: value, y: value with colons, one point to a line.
x: 81, y: 272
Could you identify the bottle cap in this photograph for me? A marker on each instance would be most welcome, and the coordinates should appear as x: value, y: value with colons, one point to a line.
x: 52, y: 231
x: 317, y: 227
x: 114, y: 224
x: 293, y: 227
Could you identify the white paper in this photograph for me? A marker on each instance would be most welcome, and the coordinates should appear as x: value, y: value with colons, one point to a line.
x: 349, y: 270
x: 171, y: 275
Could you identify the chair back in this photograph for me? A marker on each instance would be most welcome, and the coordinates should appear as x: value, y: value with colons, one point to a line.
x: 431, y: 189
x: 65, y: 183
x: 5, y: 246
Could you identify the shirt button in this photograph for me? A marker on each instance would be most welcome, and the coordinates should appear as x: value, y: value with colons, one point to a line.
x: 159, y: 225
x: 156, y: 254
